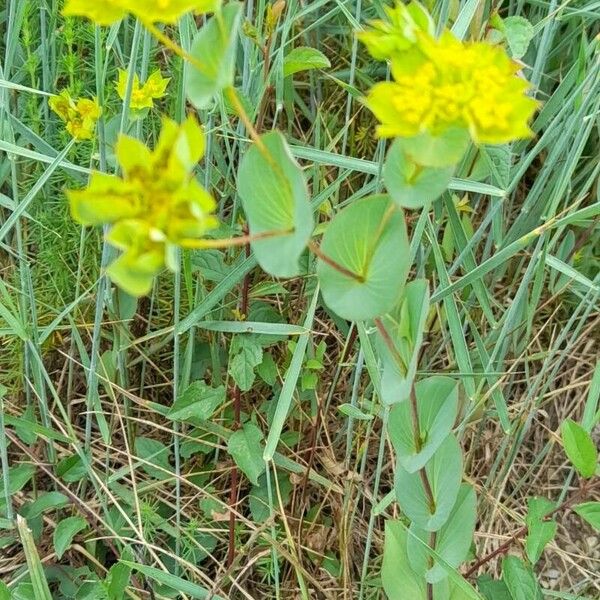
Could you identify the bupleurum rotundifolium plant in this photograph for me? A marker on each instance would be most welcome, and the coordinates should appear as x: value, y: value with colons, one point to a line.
x: 445, y: 94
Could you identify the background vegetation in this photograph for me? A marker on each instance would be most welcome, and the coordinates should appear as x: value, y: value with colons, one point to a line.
x: 516, y: 297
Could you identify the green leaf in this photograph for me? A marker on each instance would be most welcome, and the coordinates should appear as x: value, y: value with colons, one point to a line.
x: 493, y: 589
x: 443, y: 150
x: 214, y: 47
x: 18, y: 477
x: 258, y: 498
x: 354, y: 412
x: 199, y: 401
x: 304, y: 59
x: 246, y: 448
x: 405, y: 326
x: 275, y: 198
x: 519, y: 33
x: 539, y: 531
x: 590, y: 511
x: 173, y: 582
x: 437, y: 405
x: 579, y: 447
x: 410, y: 185
x: 400, y: 582
x: 45, y: 501
x: 453, y: 540
x: 368, y: 239
x: 41, y: 591
x: 520, y: 580
x: 117, y: 580
x: 155, y: 453
x: 444, y: 472
x: 64, y: 533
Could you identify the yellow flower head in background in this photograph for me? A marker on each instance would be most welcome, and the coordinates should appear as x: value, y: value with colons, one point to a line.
x: 107, y: 12
x: 442, y: 84
x: 80, y: 116
x: 156, y: 206
x: 143, y: 96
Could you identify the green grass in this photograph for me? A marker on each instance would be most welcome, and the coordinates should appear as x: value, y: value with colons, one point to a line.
x: 90, y: 374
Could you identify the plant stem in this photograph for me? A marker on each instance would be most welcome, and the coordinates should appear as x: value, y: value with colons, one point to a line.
x: 242, y: 240
x: 414, y: 411
x: 237, y: 412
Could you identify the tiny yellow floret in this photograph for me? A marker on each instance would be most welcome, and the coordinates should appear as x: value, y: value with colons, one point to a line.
x: 107, y: 12
x: 143, y: 96
x: 443, y: 83
x: 80, y: 116
x: 156, y: 205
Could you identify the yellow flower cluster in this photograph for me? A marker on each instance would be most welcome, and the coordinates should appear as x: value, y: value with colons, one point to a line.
x: 143, y: 96
x: 80, y: 116
x: 442, y: 84
x: 107, y: 12
x: 156, y: 206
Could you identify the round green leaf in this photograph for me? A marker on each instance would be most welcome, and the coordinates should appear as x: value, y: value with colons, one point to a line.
x: 367, y: 239
x: 409, y: 184
x: 443, y: 150
x: 275, y: 197
x: 444, y: 472
x: 437, y: 404
x: 214, y: 49
x: 245, y: 446
x: 453, y: 540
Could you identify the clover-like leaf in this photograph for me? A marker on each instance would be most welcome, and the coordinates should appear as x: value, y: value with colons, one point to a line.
x: 275, y: 198
x: 213, y: 50
x: 365, y: 259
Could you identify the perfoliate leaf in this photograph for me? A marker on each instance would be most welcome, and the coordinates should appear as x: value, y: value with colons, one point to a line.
x: 245, y: 446
x: 368, y: 241
x: 409, y: 184
x: 405, y: 327
x: 400, y: 582
x: 579, y: 447
x: 453, y: 540
x: 444, y: 472
x: 64, y: 533
x: 437, y: 404
x: 354, y: 412
x: 304, y: 59
x: 442, y: 151
x: 520, y: 580
x: 275, y: 198
x: 590, y: 511
x: 539, y: 530
x: 214, y: 50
